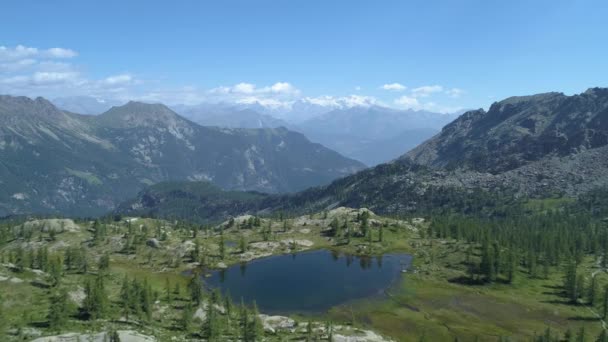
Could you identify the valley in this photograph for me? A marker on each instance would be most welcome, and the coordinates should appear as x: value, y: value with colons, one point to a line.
x: 437, y: 297
x: 303, y: 171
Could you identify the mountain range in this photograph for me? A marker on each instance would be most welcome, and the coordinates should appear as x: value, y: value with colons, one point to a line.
x: 55, y: 161
x: 370, y: 133
x: 542, y: 146
x: 373, y: 134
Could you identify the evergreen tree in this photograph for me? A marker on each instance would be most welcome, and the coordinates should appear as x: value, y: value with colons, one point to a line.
x: 511, y: 266
x: 243, y: 244
x: 580, y: 336
x: 104, y: 262
x: 592, y: 292
x: 255, y: 328
x: 605, y: 314
x: 570, y: 282
x: 186, y: 320
x: 487, y: 263
x: 196, y: 289
x: 96, y: 300
x: 244, y: 321
x: 146, y: 300
x: 168, y: 296
x: 3, y: 317
x: 58, y: 310
x: 222, y: 247
x: 603, y: 337
x: 55, y: 270
x: 212, y: 326
x: 125, y: 297
x: 309, y: 332
x: 335, y: 227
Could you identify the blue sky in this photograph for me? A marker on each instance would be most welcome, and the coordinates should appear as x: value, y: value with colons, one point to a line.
x: 438, y: 55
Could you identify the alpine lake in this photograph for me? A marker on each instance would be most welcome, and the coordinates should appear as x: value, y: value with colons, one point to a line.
x: 309, y: 282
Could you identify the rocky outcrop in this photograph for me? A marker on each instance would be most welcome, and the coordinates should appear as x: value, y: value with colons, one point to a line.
x: 124, y: 335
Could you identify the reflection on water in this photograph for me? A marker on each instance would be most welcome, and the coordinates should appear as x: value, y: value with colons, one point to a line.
x: 310, y: 281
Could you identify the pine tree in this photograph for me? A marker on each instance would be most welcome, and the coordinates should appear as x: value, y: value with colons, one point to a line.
x: 580, y: 286
x: 96, y: 300
x: 592, y: 292
x: 487, y: 264
x: 3, y: 317
x: 186, y: 320
x: 125, y: 297
x: 104, y: 262
x: 335, y: 227
x: 55, y: 270
x: 570, y: 282
x: 255, y: 327
x: 243, y: 244
x: 20, y: 261
x: 146, y: 300
x: 605, y: 314
x: 222, y: 247
x: 228, y: 304
x: 58, y: 310
x: 580, y: 336
x: 211, y: 326
x: 244, y: 321
x: 309, y: 332
x: 603, y: 337
x: 168, y: 296
x: 196, y: 289
x: 511, y: 266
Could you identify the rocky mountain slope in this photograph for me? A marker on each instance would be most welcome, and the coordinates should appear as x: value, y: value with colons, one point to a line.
x: 520, y: 130
x: 53, y: 161
x: 541, y: 146
x: 225, y: 115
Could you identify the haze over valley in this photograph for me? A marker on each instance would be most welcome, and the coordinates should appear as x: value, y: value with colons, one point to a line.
x: 265, y: 171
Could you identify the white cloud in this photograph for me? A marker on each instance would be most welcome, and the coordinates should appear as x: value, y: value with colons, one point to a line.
x: 244, y: 88
x: 408, y: 102
x: 60, y: 53
x: 454, y: 92
x: 14, y: 80
x: 53, y: 73
x: 17, y: 65
x: 20, y: 52
x: 118, y: 79
x: 394, y: 87
x: 283, y: 87
x: 342, y: 101
x: 40, y: 78
x: 426, y: 91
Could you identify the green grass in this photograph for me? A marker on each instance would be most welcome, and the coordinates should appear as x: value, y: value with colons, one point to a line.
x: 87, y: 176
x: 430, y: 304
x: 427, y: 303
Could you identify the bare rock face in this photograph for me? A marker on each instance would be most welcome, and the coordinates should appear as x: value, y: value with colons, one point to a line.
x: 153, y: 242
x: 273, y: 324
x: 519, y: 130
x: 124, y: 335
x: 60, y: 162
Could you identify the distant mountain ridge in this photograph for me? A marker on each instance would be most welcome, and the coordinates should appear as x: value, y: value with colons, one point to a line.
x: 54, y: 161
x: 541, y: 146
x: 519, y: 130
x: 230, y: 116
x: 373, y: 134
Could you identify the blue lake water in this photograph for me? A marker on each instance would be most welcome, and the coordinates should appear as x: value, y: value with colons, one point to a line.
x: 309, y: 281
